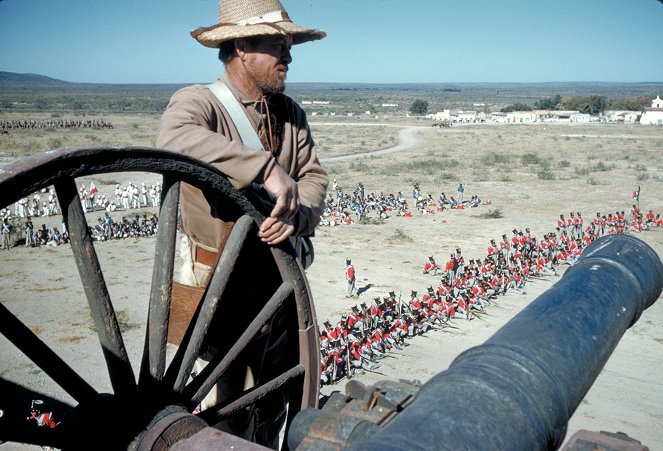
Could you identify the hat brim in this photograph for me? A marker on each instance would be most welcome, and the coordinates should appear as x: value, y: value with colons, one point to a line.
x: 217, y: 34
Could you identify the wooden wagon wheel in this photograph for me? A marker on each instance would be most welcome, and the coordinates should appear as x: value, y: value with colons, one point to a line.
x: 147, y: 408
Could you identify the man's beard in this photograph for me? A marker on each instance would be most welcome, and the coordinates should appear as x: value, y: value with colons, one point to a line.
x: 273, y: 86
x: 271, y: 83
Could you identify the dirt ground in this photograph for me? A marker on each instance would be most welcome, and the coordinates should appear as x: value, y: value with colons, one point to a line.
x: 529, y: 173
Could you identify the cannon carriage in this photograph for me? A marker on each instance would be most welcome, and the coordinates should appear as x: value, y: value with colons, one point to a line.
x: 152, y: 407
x: 442, y: 124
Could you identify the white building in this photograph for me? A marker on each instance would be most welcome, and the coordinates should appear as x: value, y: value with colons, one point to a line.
x: 440, y: 116
x: 580, y: 117
x: 498, y: 116
x: 629, y: 117
x: 521, y: 117
x: 464, y: 116
x: 653, y: 115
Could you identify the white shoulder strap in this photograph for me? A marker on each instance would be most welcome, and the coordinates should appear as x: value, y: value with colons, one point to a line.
x: 237, y: 114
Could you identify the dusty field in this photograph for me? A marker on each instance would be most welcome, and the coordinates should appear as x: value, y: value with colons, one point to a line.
x: 531, y: 173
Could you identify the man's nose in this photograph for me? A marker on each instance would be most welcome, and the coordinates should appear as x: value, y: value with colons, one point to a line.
x: 286, y: 56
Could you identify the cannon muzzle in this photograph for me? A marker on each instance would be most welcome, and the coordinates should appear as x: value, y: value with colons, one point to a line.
x: 518, y: 390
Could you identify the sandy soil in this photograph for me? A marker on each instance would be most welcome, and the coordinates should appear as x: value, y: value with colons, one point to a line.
x: 41, y: 285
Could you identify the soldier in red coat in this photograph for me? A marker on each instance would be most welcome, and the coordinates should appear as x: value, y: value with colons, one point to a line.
x: 430, y: 267
x: 350, y: 278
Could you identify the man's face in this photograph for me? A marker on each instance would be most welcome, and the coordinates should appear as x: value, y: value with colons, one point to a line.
x: 266, y: 62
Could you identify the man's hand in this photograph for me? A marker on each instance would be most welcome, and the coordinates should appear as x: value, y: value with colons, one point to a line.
x: 274, y: 230
x: 278, y: 226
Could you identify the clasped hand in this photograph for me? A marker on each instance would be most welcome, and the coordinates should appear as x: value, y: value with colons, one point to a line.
x: 279, y: 225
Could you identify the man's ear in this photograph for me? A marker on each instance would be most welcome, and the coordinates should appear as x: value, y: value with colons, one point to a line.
x: 240, y: 48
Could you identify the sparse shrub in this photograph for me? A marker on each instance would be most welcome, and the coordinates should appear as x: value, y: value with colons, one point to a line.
x: 529, y: 158
x: 400, y: 236
x: 602, y: 167
x: 448, y: 176
x: 495, y: 213
x: 564, y: 164
x: 546, y: 174
x: 359, y: 166
x: 371, y: 221
x: 493, y: 158
x: 505, y: 178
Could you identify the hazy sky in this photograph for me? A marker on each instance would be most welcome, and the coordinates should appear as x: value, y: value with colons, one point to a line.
x: 372, y: 41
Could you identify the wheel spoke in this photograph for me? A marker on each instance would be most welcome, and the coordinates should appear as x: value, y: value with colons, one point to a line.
x: 156, y: 334
x: 44, y: 357
x: 309, y: 350
x: 101, y: 307
x: 251, y: 396
x: 193, y: 339
x: 215, y: 369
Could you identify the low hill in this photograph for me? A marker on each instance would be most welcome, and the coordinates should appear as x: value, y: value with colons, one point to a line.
x: 14, y: 80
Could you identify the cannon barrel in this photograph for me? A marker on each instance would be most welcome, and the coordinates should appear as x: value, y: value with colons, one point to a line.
x: 519, y: 389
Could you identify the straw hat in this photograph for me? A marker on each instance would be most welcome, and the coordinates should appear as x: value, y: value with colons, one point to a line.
x: 244, y: 18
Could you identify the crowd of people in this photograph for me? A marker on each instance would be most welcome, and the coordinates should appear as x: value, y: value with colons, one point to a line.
x: 369, y: 331
x: 466, y: 287
x: 17, y: 223
x: 343, y: 208
x: 31, y: 124
x: 123, y: 198
x: 105, y: 228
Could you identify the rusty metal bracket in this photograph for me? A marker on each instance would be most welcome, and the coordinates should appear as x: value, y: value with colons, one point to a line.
x: 361, y: 411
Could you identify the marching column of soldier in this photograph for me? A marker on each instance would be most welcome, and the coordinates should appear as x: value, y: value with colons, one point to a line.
x: 31, y: 124
x: 365, y: 334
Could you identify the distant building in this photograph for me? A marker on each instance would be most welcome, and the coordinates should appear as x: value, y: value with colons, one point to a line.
x: 580, y: 117
x: 521, y: 117
x: 629, y: 117
x: 464, y: 116
x: 389, y: 104
x: 562, y: 116
x: 440, y: 116
x: 653, y: 115
x: 498, y: 116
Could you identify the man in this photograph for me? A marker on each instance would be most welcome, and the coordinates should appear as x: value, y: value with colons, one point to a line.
x: 459, y: 193
x: 197, y: 124
x: 29, y: 232
x: 6, y: 230
x: 450, y: 269
x: 350, y: 278
x: 492, y: 251
x: 430, y: 267
x: 253, y: 39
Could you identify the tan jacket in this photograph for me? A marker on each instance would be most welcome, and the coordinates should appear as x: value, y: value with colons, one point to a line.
x: 195, y: 123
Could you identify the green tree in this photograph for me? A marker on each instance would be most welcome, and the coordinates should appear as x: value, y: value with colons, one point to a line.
x: 596, y: 104
x: 548, y: 104
x: 632, y: 104
x: 419, y: 107
x: 516, y: 107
